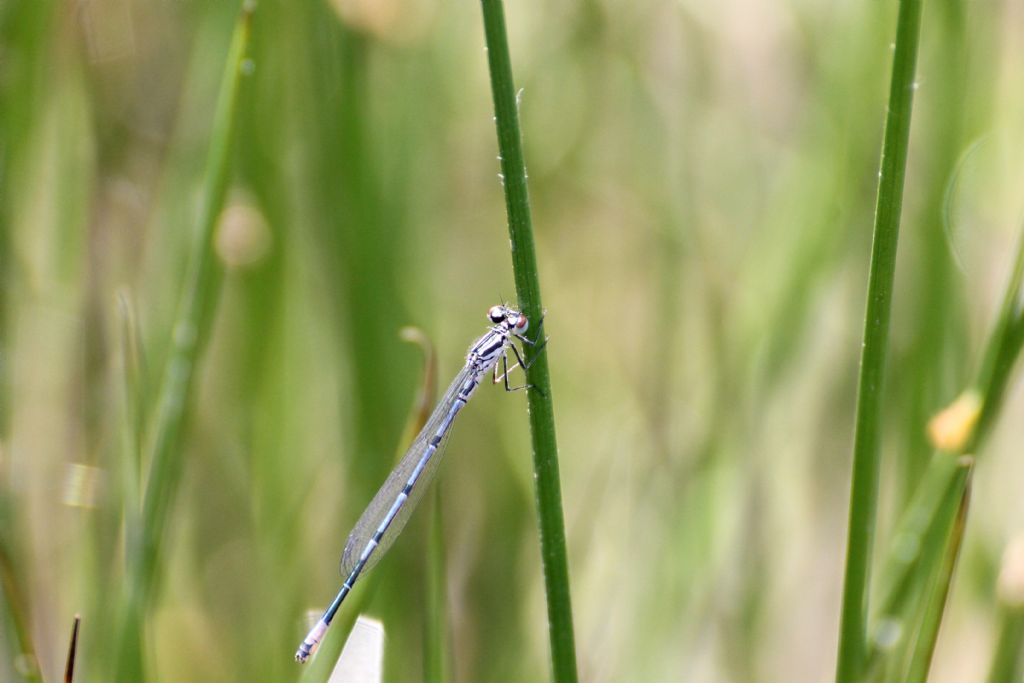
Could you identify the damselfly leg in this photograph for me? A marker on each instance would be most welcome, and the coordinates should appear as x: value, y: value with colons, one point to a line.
x: 538, y: 345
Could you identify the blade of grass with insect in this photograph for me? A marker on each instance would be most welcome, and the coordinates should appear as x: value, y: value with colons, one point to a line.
x: 542, y: 418
x: 867, y: 431
x: 190, y: 333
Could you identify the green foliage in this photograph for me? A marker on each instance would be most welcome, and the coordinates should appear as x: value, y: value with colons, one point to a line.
x: 701, y: 186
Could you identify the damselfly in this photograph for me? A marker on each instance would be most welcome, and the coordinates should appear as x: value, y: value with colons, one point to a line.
x: 389, y: 510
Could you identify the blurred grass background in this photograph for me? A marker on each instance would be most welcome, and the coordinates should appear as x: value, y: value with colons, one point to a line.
x: 702, y: 178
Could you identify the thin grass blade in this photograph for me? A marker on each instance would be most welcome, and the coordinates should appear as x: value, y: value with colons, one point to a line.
x: 935, y: 606
x: 542, y: 417
x: 867, y: 435
x: 190, y: 333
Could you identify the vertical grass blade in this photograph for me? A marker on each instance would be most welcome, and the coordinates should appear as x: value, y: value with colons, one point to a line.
x: 191, y: 331
x: 542, y: 418
x: 867, y: 434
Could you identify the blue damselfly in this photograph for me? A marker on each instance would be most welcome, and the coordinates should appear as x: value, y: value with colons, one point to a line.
x: 389, y: 510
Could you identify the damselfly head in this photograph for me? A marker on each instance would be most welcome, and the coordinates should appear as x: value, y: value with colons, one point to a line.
x: 514, y: 320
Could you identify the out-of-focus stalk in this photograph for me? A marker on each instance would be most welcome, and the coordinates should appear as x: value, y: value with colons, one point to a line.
x: 190, y: 333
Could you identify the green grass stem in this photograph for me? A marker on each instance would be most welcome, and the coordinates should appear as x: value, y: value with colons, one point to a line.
x: 542, y: 418
x: 190, y: 332
x: 867, y: 434
x: 935, y: 604
x: 1008, y: 661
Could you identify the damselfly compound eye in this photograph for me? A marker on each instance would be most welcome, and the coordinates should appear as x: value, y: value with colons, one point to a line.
x: 496, y: 314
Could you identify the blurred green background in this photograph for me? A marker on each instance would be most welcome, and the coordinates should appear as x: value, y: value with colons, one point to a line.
x: 703, y: 180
